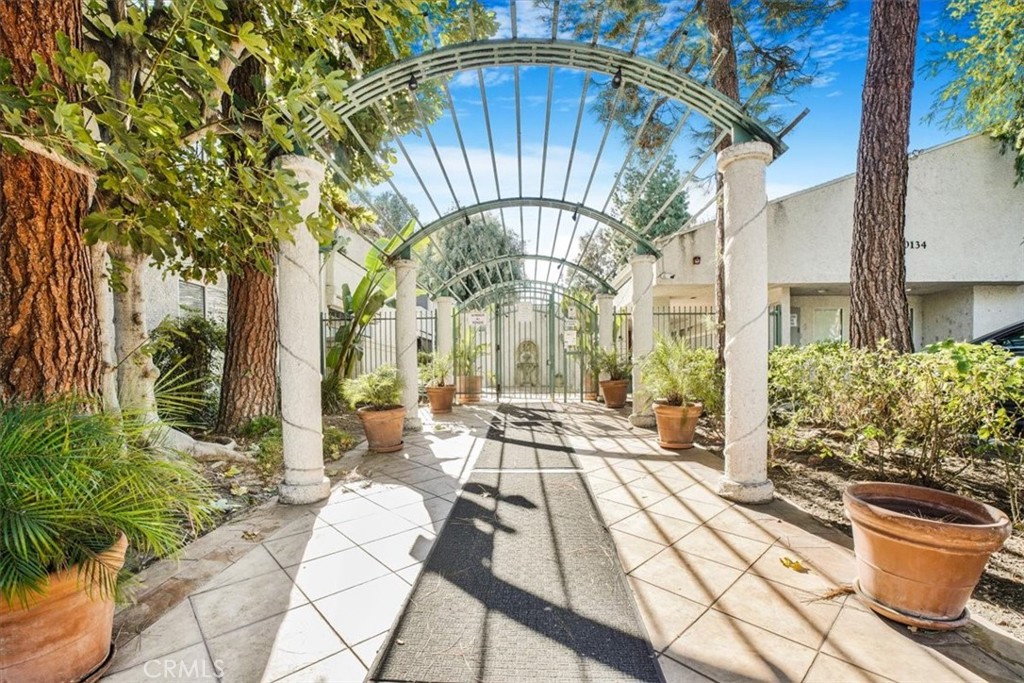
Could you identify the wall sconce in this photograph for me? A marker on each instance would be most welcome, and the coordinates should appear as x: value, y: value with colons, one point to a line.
x: 696, y: 260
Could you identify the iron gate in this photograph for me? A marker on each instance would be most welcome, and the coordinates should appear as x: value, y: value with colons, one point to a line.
x: 526, y: 349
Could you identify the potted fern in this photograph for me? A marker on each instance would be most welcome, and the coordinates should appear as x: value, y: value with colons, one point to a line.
x: 377, y: 398
x: 434, y: 375
x: 468, y: 381
x: 618, y: 368
x: 77, y: 490
x: 681, y: 378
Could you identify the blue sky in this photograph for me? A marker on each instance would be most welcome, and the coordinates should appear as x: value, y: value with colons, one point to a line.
x: 822, y: 147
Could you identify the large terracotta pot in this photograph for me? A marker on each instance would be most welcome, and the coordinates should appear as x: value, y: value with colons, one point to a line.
x: 615, y: 392
x: 441, y: 399
x: 589, y: 387
x: 383, y: 427
x: 920, y: 552
x: 467, y: 387
x: 63, y: 635
x: 676, y: 424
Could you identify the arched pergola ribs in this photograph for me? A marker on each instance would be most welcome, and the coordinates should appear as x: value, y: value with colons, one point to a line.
x: 606, y: 286
x: 721, y: 110
x: 465, y: 212
x: 519, y: 286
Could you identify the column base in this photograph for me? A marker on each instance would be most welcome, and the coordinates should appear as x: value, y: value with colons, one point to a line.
x: 757, y: 493
x: 304, y: 494
x: 643, y: 420
x: 412, y: 424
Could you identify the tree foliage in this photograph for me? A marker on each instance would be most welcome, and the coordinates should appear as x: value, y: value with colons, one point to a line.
x: 985, y: 52
x: 461, y: 247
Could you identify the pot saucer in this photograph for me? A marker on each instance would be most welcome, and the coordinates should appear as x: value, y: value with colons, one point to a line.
x: 97, y: 673
x: 911, y: 619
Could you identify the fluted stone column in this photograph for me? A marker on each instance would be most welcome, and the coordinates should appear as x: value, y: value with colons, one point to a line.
x: 405, y: 335
x: 445, y: 326
x: 299, y: 348
x: 746, y: 317
x: 642, y: 266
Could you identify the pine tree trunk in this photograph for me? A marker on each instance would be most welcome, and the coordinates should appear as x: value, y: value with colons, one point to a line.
x: 136, y: 372
x: 878, y: 273
x: 718, y: 17
x: 47, y: 309
x: 249, y: 381
x: 249, y: 386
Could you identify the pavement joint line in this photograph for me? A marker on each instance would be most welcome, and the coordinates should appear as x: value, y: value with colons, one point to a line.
x: 528, y: 470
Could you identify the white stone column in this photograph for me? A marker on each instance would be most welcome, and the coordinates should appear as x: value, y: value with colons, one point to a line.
x: 746, y: 318
x: 405, y: 335
x: 298, y: 312
x: 445, y: 326
x: 642, y: 266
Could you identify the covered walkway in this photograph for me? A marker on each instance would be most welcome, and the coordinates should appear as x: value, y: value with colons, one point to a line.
x: 310, y: 593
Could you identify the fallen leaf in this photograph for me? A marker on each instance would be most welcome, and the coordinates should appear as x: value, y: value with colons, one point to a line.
x: 232, y: 471
x: 251, y: 535
x: 795, y: 565
x: 239, y: 490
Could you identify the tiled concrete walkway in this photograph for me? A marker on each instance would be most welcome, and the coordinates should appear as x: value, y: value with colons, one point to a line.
x: 308, y: 595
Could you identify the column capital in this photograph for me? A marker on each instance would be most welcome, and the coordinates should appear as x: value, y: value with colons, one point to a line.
x: 447, y: 300
x: 639, y: 259
x: 760, y: 151
x: 404, y: 264
x: 604, y: 296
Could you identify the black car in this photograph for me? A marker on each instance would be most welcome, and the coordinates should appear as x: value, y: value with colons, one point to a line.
x: 1010, y: 338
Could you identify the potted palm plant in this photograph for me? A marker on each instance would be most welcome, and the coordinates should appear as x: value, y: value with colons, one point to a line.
x: 680, y: 378
x: 468, y: 380
x: 434, y: 375
x: 377, y: 398
x: 589, y: 366
x: 77, y: 490
x: 618, y: 368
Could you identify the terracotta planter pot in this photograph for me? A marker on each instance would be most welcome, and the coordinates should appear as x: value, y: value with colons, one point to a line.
x: 589, y: 388
x: 63, y: 635
x: 467, y: 388
x: 441, y: 399
x: 615, y: 392
x: 920, y: 552
x: 676, y: 424
x: 383, y: 428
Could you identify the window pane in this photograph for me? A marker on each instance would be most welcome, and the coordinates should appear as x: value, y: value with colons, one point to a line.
x: 191, y: 298
x: 828, y: 324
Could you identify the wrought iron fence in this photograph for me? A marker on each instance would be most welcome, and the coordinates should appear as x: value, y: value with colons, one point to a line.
x: 378, y: 341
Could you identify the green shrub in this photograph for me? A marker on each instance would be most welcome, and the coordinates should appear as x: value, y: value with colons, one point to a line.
x: 910, y: 412
x: 269, y: 455
x: 381, y: 388
x: 73, y: 482
x: 190, y: 348
x: 436, y: 372
x: 258, y: 427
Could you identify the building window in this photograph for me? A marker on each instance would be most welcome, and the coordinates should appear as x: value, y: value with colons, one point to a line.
x: 828, y: 324
x: 191, y: 298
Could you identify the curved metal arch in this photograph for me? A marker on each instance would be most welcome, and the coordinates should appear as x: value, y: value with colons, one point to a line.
x: 723, y: 111
x: 458, y: 277
x: 551, y: 287
x: 513, y: 202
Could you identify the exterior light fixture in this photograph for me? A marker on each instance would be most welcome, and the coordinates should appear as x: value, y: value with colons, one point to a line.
x: 667, y: 276
x: 617, y: 79
x: 696, y: 260
x: 414, y: 83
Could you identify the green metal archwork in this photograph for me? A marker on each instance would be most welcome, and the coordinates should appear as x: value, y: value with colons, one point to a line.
x: 724, y: 112
x: 606, y: 286
x: 538, y: 287
x: 643, y: 244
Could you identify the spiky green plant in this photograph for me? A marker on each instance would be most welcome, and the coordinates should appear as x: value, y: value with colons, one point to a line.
x: 679, y: 374
x: 377, y: 390
x: 435, y: 372
x: 618, y: 366
x: 71, y: 482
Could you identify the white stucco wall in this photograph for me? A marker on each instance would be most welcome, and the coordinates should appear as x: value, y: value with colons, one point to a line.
x: 995, y: 307
x: 948, y: 315
x: 338, y: 270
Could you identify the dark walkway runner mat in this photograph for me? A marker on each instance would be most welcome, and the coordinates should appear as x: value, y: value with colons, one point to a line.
x: 517, y: 444
x: 522, y: 586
